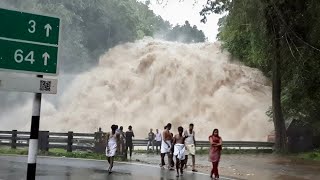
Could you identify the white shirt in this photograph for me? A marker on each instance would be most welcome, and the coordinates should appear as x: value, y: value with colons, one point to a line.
x: 158, y: 136
x: 190, y: 138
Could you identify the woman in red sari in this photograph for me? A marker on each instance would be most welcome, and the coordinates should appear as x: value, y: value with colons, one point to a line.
x: 215, y: 152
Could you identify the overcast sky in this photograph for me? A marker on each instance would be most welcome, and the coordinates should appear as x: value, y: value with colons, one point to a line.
x: 178, y: 12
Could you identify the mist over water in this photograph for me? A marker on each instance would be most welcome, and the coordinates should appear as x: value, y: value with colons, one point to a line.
x: 149, y: 83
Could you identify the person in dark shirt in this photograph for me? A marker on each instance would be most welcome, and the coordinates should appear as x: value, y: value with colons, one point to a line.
x: 129, y: 144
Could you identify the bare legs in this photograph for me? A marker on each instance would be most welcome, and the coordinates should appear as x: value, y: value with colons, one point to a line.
x: 110, y: 161
x: 170, y: 161
x: 179, y: 166
x: 193, y: 162
x: 162, y: 159
x: 186, y: 162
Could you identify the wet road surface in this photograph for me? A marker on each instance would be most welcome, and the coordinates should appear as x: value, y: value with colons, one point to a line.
x: 14, y: 168
x: 252, y: 167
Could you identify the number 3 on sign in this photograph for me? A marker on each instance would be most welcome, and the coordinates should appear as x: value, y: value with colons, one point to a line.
x: 32, y: 29
x: 18, y: 56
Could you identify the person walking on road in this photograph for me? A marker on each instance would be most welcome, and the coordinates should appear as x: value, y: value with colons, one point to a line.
x: 179, y: 150
x: 215, y: 152
x: 158, y: 140
x: 129, y: 145
x: 190, y: 146
x: 151, y: 137
x: 166, y: 146
x: 122, y: 140
x: 112, y: 139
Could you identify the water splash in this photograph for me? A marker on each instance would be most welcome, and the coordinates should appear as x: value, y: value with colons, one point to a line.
x: 149, y: 83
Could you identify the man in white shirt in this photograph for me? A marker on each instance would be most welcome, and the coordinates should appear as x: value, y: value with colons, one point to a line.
x: 190, y: 143
x: 158, y: 140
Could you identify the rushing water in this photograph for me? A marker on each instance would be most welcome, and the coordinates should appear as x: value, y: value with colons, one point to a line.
x: 149, y: 83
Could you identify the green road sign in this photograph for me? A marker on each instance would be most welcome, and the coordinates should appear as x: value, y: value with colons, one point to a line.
x: 28, y: 57
x: 30, y: 27
x: 28, y: 42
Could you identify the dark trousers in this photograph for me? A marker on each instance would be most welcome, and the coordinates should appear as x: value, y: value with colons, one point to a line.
x: 158, y: 145
x: 129, y: 146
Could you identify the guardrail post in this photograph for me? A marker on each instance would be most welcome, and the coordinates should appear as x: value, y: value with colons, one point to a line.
x: 70, y: 141
x: 14, y: 139
x: 44, y: 141
x: 99, y: 142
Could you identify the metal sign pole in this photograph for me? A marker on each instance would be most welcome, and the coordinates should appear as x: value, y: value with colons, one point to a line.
x: 34, y: 134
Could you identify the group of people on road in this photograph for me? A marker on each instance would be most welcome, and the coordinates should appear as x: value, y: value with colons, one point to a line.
x: 154, y: 139
x: 179, y: 146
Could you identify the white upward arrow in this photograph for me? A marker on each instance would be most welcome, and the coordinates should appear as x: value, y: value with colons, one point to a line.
x: 45, y: 57
x: 48, y: 28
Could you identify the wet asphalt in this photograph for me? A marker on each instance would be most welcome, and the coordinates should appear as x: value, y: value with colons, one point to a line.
x: 15, y: 168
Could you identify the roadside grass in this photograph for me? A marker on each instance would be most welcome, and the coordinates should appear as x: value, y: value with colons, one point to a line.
x: 313, y: 155
x: 55, y: 152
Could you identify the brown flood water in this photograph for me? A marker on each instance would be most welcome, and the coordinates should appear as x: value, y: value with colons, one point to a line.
x: 262, y: 167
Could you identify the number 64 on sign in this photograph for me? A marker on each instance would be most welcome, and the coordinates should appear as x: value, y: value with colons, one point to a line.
x: 28, y: 57
x: 19, y: 57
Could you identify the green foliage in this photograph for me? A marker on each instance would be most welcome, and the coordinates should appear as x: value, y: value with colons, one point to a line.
x: 243, y: 32
x: 7, y: 150
x: 57, y: 153
x: 90, y: 27
x: 314, y: 155
x: 186, y: 34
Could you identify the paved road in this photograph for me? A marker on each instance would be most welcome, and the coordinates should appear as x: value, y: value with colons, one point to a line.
x: 14, y: 168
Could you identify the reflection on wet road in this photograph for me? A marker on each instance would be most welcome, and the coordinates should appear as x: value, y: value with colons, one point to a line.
x: 14, y: 168
x: 254, y: 166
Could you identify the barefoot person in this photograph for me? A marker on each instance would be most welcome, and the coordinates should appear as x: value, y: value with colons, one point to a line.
x: 158, y: 140
x: 151, y: 137
x: 112, y: 139
x: 171, y: 153
x: 215, y: 152
x: 179, y: 150
x: 162, y: 155
x: 190, y: 146
x: 166, y: 146
x: 122, y: 142
x: 129, y: 144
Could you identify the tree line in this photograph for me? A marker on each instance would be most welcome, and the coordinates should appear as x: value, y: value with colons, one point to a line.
x: 90, y: 27
x: 281, y: 38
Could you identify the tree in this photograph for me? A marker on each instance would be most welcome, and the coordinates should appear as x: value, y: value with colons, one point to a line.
x: 279, y: 38
x: 274, y: 30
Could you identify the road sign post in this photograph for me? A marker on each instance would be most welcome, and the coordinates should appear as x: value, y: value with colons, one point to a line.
x: 29, y: 43
x: 34, y: 135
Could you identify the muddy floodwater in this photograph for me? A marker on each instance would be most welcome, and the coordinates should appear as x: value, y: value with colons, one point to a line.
x: 262, y: 166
